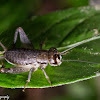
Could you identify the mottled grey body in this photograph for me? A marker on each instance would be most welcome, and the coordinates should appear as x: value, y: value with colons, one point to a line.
x: 28, y: 59
x: 26, y: 56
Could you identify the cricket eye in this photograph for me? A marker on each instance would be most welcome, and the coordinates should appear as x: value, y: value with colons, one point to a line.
x: 59, y: 57
x: 53, y: 49
x: 54, y: 57
x: 55, y: 60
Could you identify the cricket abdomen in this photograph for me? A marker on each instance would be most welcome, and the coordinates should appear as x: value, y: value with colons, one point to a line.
x: 23, y: 56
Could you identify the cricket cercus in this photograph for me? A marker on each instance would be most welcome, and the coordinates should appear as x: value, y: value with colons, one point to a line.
x: 30, y: 60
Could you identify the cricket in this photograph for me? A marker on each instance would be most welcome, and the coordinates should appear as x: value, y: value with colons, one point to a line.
x: 30, y: 59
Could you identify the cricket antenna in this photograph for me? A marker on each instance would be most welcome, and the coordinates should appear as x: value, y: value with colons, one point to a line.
x: 80, y: 61
x: 77, y: 44
x: 66, y: 51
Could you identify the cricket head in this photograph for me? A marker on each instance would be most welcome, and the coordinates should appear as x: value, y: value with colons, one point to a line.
x: 54, y: 57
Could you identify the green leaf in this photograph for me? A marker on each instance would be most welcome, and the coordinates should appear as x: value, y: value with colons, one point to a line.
x: 61, y: 29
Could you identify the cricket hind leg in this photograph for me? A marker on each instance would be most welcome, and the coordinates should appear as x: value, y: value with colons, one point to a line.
x: 1, y: 57
x: 23, y: 38
x: 2, y: 52
x: 4, y: 48
x: 17, y: 70
x: 13, y: 69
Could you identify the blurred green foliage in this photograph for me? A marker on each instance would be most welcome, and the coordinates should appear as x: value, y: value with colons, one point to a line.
x: 13, y: 12
x: 77, y: 3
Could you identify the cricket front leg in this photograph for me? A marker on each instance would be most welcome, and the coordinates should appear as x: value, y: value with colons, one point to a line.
x: 42, y: 68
